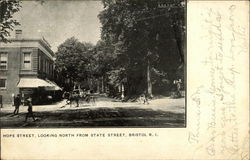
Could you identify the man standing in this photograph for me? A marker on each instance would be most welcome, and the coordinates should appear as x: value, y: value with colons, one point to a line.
x: 17, y: 102
x: 30, y: 111
x: 178, y: 87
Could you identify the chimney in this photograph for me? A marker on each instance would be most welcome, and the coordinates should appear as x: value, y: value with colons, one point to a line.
x: 18, y: 34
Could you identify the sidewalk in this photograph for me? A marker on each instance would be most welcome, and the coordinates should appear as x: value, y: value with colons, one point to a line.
x: 51, y: 107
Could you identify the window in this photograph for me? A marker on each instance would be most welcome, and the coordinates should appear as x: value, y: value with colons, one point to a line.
x: 2, y: 83
x: 27, y: 60
x: 51, y: 68
x: 44, y: 65
x: 47, y: 66
x: 3, y: 60
x: 39, y: 63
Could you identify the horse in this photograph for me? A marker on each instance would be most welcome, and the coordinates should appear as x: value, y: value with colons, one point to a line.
x: 74, y: 97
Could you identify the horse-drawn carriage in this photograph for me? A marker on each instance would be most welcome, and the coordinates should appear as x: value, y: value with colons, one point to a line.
x: 77, y: 96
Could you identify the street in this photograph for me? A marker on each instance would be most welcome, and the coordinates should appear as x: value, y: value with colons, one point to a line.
x: 105, y: 112
x: 127, y: 50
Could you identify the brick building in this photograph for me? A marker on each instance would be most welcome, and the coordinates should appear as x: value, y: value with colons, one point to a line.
x: 26, y: 68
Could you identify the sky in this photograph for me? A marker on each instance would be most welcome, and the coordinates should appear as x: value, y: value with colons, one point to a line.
x: 58, y: 20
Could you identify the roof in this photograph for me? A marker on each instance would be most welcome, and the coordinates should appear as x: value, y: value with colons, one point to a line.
x: 43, y: 45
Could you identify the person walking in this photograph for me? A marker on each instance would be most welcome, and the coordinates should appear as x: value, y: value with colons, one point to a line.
x: 12, y: 99
x: 30, y: 111
x: 17, y: 103
x: 87, y: 97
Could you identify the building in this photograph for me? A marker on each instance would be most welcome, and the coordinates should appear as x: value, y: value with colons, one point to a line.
x: 26, y: 68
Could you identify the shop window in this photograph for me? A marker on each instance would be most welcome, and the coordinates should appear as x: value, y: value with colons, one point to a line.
x: 3, y: 60
x: 27, y: 60
x: 2, y: 83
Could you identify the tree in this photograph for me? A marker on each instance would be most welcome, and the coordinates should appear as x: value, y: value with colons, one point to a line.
x: 73, y: 60
x: 106, y: 64
x: 104, y: 57
x: 144, y: 38
x: 7, y: 23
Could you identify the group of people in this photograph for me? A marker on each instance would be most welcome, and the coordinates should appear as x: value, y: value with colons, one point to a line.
x: 17, y: 104
x: 144, y: 98
x: 70, y: 97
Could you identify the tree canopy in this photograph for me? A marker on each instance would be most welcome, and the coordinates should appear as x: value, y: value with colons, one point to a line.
x: 73, y: 59
x: 142, y: 31
x: 141, y: 46
x: 7, y: 23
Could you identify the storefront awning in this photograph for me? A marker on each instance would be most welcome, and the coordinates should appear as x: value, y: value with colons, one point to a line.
x: 54, y: 86
x: 33, y: 83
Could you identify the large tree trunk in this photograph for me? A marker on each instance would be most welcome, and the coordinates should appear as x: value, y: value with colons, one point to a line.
x: 102, y: 89
x: 149, y: 81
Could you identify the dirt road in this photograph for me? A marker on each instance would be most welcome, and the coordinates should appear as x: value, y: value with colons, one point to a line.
x: 105, y: 112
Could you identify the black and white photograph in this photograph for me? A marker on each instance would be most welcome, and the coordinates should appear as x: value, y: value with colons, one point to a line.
x: 124, y: 79
x: 88, y: 64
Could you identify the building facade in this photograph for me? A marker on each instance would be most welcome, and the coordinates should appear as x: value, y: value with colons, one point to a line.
x: 26, y: 67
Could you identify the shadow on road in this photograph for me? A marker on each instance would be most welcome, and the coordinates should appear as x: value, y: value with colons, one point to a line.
x: 97, y: 117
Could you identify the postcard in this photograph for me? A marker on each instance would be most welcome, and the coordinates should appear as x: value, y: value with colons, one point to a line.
x: 124, y: 79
